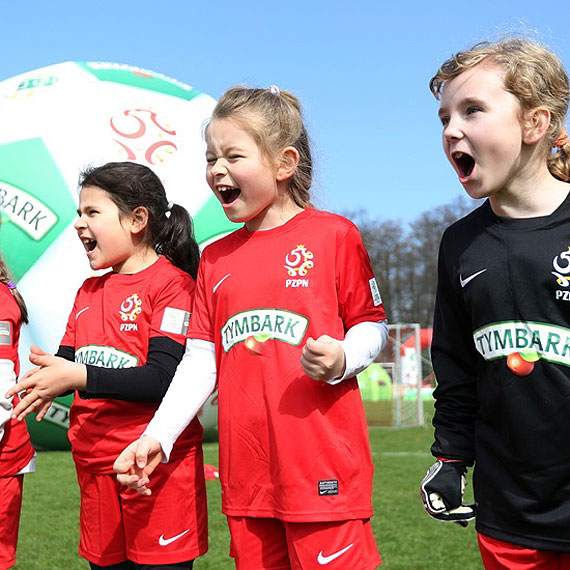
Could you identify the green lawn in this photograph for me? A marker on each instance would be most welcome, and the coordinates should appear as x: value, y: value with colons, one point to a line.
x: 408, y: 539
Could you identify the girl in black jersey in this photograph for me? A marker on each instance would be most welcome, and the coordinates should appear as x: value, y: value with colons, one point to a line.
x: 501, y: 343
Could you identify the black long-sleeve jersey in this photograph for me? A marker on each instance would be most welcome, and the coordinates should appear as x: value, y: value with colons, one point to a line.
x: 504, y: 288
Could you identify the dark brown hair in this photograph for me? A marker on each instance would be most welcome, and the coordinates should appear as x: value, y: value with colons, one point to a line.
x: 170, y: 230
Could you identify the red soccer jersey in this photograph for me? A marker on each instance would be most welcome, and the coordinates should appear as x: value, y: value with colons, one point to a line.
x: 112, y: 320
x: 290, y: 447
x: 15, y: 447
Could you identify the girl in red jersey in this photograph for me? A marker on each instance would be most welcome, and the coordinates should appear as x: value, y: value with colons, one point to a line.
x: 16, y: 453
x: 286, y: 312
x: 123, y: 341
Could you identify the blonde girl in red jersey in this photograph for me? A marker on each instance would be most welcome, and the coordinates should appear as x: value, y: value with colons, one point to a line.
x: 16, y: 453
x: 287, y: 311
x: 124, y: 338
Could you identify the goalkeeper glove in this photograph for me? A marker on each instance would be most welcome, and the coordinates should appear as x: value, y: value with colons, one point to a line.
x: 442, y: 492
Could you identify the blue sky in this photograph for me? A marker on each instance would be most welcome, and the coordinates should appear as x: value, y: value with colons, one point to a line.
x: 360, y: 68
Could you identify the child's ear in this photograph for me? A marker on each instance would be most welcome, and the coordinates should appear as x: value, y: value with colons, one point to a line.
x: 138, y: 219
x: 535, y: 125
x: 288, y: 163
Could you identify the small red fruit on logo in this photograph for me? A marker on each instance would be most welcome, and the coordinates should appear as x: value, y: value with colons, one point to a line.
x: 518, y: 364
x: 253, y: 346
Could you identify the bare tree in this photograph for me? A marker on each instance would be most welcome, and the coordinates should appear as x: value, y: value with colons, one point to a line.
x: 404, y: 258
x: 386, y: 244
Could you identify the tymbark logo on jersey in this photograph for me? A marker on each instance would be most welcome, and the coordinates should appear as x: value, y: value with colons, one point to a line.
x: 276, y: 324
x: 105, y: 357
x: 298, y: 262
x: 498, y: 340
x: 131, y: 308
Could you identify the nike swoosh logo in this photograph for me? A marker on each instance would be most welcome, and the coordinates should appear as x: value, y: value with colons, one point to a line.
x: 322, y: 559
x: 464, y: 282
x: 166, y: 541
x: 79, y: 312
x: 220, y: 282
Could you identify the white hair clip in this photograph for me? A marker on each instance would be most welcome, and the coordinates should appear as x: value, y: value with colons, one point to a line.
x: 168, y: 208
x: 275, y: 90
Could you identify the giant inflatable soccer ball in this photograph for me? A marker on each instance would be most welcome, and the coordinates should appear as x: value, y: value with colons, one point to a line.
x: 57, y: 120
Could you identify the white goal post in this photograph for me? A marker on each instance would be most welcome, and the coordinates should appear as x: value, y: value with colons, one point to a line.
x: 392, y: 390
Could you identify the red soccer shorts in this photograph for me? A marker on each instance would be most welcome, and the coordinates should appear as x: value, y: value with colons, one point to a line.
x: 10, y: 507
x: 499, y: 555
x: 167, y: 527
x: 258, y: 543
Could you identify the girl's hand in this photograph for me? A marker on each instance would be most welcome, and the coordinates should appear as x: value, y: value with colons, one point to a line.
x: 43, y: 409
x: 323, y: 359
x: 137, y: 461
x: 53, y: 376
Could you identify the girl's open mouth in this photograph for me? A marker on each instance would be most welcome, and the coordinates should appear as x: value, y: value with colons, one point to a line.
x: 228, y: 193
x: 464, y: 164
x: 89, y: 244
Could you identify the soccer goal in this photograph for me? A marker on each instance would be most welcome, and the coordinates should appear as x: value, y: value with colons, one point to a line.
x: 392, y: 389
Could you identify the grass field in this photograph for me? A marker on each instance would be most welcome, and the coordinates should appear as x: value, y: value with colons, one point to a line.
x: 408, y: 539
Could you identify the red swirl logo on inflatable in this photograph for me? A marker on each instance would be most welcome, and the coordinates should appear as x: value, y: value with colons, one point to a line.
x: 144, y: 135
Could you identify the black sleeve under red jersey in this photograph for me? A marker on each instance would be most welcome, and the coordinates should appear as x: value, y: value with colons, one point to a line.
x: 455, y: 363
x: 147, y: 383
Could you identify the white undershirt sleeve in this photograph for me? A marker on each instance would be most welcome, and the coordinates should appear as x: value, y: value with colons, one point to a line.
x: 362, y: 344
x: 7, y: 380
x: 193, y: 382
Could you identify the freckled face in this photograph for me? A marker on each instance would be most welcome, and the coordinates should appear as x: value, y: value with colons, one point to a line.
x: 482, y: 132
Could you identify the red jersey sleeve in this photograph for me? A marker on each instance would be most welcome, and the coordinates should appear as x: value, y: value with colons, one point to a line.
x: 171, y: 309
x: 201, y: 324
x: 69, y: 335
x: 358, y: 294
